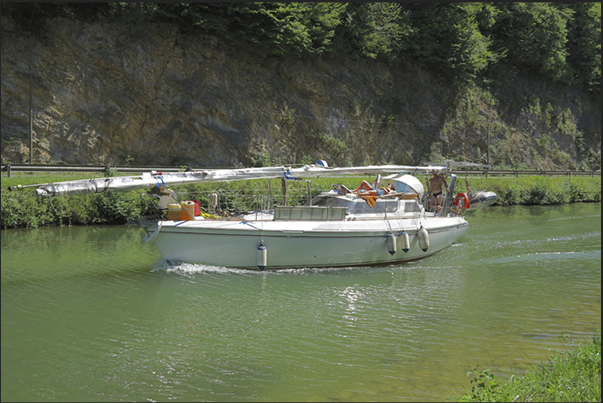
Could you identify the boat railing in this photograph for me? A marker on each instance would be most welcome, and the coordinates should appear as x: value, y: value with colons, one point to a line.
x: 226, y: 202
x: 309, y: 213
x: 236, y: 201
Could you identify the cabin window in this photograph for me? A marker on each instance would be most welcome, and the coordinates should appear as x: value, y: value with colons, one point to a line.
x: 411, y: 206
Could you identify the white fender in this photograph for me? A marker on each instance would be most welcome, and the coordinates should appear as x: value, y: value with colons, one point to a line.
x: 404, y: 241
x: 391, y: 243
x: 262, y: 256
x: 150, y: 237
x: 423, y: 239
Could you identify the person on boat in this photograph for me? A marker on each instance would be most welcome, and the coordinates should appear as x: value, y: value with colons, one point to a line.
x: 435, y: 190
x: 366, y: 189
x: 370, y: 193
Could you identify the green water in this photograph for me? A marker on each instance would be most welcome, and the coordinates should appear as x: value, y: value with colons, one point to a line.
x: 91, y: 314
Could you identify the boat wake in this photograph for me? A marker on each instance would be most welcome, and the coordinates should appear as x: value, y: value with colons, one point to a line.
x: 181, y: 267
x: 544, y: 257
x: 191, y: 268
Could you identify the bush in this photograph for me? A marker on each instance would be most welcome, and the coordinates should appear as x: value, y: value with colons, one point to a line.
x: 22, y: 209
x: 570, y: 376
x: 541, y: 190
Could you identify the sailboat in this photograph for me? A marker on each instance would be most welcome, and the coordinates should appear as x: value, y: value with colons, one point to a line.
x: 337, y: 228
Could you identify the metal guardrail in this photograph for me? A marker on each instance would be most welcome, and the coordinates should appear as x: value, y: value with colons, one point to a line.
x: 106, y: 169
x: 516, y: 173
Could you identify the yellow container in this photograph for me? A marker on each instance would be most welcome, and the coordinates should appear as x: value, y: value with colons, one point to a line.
x: 174, y: 211
x: 188, y: 210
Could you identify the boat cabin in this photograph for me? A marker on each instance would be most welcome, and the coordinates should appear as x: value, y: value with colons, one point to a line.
x: 356, y: 207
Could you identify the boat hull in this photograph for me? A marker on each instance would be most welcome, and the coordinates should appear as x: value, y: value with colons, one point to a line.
x: 306, y: 244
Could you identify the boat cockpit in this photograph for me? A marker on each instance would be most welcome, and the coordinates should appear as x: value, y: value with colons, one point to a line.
x: 399, y: 205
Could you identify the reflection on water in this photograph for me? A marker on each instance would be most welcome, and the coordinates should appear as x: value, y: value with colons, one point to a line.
x: 94, y: 314
x: 65, y: 252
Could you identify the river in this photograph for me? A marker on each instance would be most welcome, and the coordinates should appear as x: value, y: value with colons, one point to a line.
x: 92, y: 314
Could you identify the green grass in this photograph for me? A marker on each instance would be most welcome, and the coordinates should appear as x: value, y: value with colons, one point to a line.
x: 536, y: 189
x: 568, y: 376
x: 22, y: 209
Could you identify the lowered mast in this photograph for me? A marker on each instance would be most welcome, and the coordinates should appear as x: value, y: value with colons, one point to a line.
x: 161, y: 180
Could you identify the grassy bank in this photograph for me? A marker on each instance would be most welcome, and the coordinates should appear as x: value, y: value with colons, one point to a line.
x: 22, y: 209
x: 569, y: 376
x: 538, y: 190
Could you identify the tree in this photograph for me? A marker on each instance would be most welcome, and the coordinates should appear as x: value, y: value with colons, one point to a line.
x: 449, y: 38
x: 534, y: 35
x: 281, y: 28
x: 373, y: 30
x: 584, y: 44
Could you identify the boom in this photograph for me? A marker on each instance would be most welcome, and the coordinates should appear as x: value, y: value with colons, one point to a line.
x: 159, y: 179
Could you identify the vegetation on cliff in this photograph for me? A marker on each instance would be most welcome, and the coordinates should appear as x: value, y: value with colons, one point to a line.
x: 561, y: 41
x: 512, y: 84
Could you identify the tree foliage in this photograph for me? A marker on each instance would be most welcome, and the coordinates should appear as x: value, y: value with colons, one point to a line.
x: 374, y: 30
x: 452, y: 37
x: 560, y: 41
x: 584, y: 44
x: 535, y: 36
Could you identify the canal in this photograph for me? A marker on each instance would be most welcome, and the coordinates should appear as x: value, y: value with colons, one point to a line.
x: 93, y: 314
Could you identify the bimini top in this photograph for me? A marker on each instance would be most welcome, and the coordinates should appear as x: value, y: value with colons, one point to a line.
x: 407, y: 183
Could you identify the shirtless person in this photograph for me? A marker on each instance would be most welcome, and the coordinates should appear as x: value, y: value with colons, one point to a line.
x: 435, y: 189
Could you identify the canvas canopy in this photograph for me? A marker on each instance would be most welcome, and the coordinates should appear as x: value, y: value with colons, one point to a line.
x: 407, y: 183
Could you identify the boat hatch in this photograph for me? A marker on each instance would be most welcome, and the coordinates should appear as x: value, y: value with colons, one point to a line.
x: 309, y: 213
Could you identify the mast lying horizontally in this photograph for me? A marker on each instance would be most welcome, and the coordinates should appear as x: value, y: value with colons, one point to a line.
x: 161, y: 180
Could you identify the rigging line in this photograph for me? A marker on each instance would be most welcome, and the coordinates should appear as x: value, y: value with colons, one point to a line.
x: 287, y: 175
x: 262, y: 230
x: 157, y: 178
x: 399, y: 218
x: 385, y: 216
x: 50, y: 199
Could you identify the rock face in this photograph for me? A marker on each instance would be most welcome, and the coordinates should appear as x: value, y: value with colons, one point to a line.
x: 113, y: 93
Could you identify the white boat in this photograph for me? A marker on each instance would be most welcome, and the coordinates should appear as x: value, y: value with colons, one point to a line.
x: 479, y: 198
x: 482, y: 198
x: 334, y: 229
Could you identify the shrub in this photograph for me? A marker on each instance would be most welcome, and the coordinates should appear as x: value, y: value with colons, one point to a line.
x: 569, y: 376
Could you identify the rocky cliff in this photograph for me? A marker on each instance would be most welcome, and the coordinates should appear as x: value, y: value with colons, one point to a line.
x: 117, y: 93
